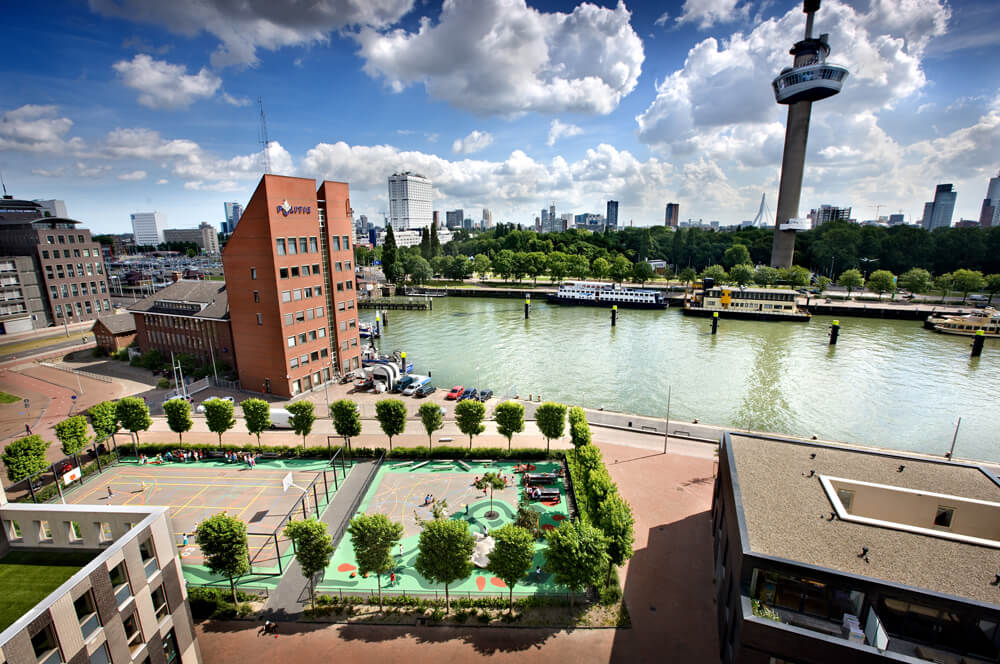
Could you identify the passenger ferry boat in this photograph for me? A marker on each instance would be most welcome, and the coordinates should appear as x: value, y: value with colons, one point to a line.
x: 753, y: 303
x: 606, y: 295
x: 987, y: 320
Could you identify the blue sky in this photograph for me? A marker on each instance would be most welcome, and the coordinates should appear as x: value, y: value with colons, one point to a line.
x: 118, y: 106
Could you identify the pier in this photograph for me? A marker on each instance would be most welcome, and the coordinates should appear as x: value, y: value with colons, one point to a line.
x: 396, y: 303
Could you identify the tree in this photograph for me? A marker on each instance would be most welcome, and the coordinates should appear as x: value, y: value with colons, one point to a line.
x: 481, y: 265
x: 503, y: 264
x: 103, y: 419
x: 614, y: 517
x: 687, y: 275
x: 425, y: 244
x: 850, y: 279
x: 389, y: 253
x: 551, y: 420
x: 420, y: 271
x: 738, y: 254
x: 642, y: 272
x: 742, y: 274
x: 72, y: 433
x: 435, y: 242
x: 967, y: 281
x: 432, y: 419
x: 509, y: 417
x: 257, y: 415
x: 391, y: 416
x: 178, y: 417
x: 915, y: 280
x: 600, y: 268
x: 532, y: 263
x: 795, y: 276
x: 373, y: 536
x: 313, y: 548
x: 882, y: 281
x: 578, y: 267
x: 621, y: 268
x: 445, y: 550
x: 512, y: 555
x: 944, y: 282
x: 223, y: 542
x: 25, y: 457
x: 822, y: 283
x: 346, y: 420
x: 133, y: 413
x: 716, y: 272
x: 491, y: 481
x: 219, y: 416
x: 992, y: 285
x: 469, y: 415
x: 577, y: 555
x: 765, y: 275
x: 557, y: 265
x: 303, y: 416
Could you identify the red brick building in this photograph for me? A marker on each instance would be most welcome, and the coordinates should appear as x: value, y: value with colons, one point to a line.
x: 113, y: 333
x: 289, y: 269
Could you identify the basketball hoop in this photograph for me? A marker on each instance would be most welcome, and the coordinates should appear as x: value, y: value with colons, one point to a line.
x: 287, y: 482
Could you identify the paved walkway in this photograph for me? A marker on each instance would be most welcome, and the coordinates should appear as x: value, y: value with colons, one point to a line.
x: 286, y: 601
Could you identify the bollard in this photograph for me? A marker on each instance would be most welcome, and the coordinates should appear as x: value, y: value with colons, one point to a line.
x: 614, y: 314
x: 715, y: 322
x: 834, y: 332
x: 385, y: 319
x: 527, y: 306
x: 402, y: 362
x: 378, y: 329
x: 977, y: 343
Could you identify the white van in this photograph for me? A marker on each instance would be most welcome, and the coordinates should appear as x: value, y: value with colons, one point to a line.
x: 281, y: 419
x: 417, y: 382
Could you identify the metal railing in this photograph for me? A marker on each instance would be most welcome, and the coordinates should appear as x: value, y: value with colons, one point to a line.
x: 79, y: 372
x: 342, y: 526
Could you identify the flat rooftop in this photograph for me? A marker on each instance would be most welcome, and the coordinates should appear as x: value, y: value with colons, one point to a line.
x: 28, y: 577
x: 787, y: 515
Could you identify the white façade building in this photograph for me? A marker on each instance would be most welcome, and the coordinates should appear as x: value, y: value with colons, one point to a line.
x: 410, y: 201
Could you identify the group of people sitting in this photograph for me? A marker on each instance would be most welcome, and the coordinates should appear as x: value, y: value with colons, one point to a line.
x: 248, y: 458
x: 429, y: 499
x: 183, y: 456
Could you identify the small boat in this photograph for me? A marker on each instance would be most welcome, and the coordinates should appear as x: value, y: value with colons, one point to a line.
x: 606, y: 295
x: 753, y: 303
x: 967, y: 325
x: 367, y: 331
x: 370, y: 357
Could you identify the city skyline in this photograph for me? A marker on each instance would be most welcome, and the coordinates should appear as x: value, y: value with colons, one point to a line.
x: 119, y: 107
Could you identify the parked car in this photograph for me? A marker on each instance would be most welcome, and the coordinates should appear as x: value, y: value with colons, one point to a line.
x: 469, y: 393
x: 176, y: 396
x: 424, y: 390
x: 485, y: 395
x: 404, y: 382
x: 413, y: 386
x: 201, y: 406
x: 455, y: 393
x: 281, y: 419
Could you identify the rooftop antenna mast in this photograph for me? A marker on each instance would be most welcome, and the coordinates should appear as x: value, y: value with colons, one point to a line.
x: 262, y: 135
x: 4, y: 185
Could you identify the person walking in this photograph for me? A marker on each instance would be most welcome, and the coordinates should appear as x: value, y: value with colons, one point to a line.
x: 184, y: 542
x: 110, y: 492
x: 392, y: 579
x: 27, y: 428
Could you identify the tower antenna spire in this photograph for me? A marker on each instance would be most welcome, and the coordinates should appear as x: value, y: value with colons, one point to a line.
x: 4, y: 185
x: 262, y: 135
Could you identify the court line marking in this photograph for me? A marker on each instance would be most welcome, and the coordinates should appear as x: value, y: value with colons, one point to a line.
x: 247, y: 506
x: 185, y: 506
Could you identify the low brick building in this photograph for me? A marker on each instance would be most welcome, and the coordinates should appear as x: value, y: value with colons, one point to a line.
x: 113, y: 333
x: 187, y: 317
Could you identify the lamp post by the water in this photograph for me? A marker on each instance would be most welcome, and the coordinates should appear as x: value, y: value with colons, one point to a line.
x: 867, y: 262
x: 666, y: 428
x: 954, y: 438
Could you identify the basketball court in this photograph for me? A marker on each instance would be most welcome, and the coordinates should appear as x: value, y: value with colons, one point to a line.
x: 265, y: 498
x: 400, y: 490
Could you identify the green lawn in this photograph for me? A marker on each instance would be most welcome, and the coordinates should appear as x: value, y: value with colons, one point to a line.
x: 27, y: 577
x: 8, y: 398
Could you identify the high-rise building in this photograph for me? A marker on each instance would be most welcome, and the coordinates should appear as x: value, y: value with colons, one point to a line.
x: 209, y: 238
x: 234, y: 211
x: 487, y: 219
x: 436, y: 219
x: 289, y: 270
x: 67, y: 266
x: 552, y: 212
x: 937, y: 214
x: 612, y: 215
x: 672, y: 216
x: 990, y: 213
x: 826, y: 213
x: 146, y: 228
x: 410, y: 201
x: 454, y: 218
x: 53, y: 208
x: 896, y: 219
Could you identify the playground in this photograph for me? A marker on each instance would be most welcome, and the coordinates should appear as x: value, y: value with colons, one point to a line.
x: 265, y: 498
x: 400, y: 491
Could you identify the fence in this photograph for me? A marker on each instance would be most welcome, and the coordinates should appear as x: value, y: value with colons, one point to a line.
x: 65, y: 475
x: 342, y: 526
x: 79, y: 372
x: 438, y: 595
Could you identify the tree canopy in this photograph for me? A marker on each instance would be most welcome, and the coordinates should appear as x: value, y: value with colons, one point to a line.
x: 346, y: 419
x: 445, y: 552
x: 373, y: 536
x: 257, y: 415
x: 577, y: 554
x: 223, y: 542
x: 25, y: 457
x: 178, y: 417
x: 551, y: 420
x: 219, y: 416
x: 391, y: 416
x: 469, y: 415
x: 103, y: 419
x: 72, y: 433
x: 509, y: 417
x: 432, y: 419
x: 302, y: 417
x: 512, y: 556
x: 313, y: 548
x: 133, y: 413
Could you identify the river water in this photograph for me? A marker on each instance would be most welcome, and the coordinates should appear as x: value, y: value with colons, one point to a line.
x: 887, y: 383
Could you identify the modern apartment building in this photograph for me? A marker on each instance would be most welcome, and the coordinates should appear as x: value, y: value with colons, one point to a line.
x: 938, y: 213
x: 23, y: 304
x: 67, y: 263
x: 612, y: 215
x: 672, y: 215
x: 827, y: 554
x: 989, y: 215
x: 410, y: 201
x: 124, y: 600
x: 233, y: 213
x: 487, y: 219
x: 453, y: 219
x: 147, y: 228
x: 204, y: 236
x: 827, y: 213
x: 290, y: 278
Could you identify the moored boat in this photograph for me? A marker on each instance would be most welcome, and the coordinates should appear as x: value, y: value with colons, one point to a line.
x: 968, y: 325
x: 754, y: 303
x: 607, y: 295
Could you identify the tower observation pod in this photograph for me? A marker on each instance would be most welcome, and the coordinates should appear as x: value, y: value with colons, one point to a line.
x: 809, y: 79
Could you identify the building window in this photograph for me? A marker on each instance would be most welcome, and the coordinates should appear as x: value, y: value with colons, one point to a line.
x: 159, y: 598
x: 76, y: 253
x: 297, y: 294
x: 347, y: 265
x: 291, y: 342
x: 133, y: 634
x: 286, y: 296
x: 309, y: 292
x: 309, y: 314
x: 347, y: 242
x: 288, y: 319
x: 303, y: 245
x: 296, y: 386
x: 350, y: 285
x: 319, y: 312
x: 305, y: 270
x: 322, y: 352
x: 343, y: 326
x: 294, y: 363
x: 80, y: 238
x: 119, y: 581
x: 260, y: 319
x: 944, y: 516
x: 303, y: 360
x: 336, y: 242
x: 100, y: 656
x: 105, y: 534
x: 280, y: 246
x: 340, y: 306
x: 315, y: 268
x: 45, y: 646
x: 171, y: 653
x: 338, y: 267
x: 299, y: 316
x: 312, y: 335
x: 253, y: 273
x: 50, y: 239
x: 86, y: 613
x: 283, y: 273
x: 302, y: 338
x: 295, y: 271
x: 45, y: 253
x: 340, y: 286
x: 318, y: 290
x: 256, y: 296
x: 314, y: 356
x: 313, y: 247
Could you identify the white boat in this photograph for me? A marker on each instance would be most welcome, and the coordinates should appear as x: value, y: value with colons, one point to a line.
x: 753, y: 303
x: 968, y: 325
x: 598, y: 294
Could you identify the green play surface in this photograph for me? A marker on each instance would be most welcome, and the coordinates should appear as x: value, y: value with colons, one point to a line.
x: 399, y: 490
x: 27, y: 577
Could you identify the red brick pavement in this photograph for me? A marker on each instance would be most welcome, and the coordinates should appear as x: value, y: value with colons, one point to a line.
x: 668, y: 588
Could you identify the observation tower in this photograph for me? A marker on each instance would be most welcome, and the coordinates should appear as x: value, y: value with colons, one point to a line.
x: 809, y: 79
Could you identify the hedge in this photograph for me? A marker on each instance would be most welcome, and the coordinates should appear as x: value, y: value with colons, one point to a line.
x: 213, y: 603
x: 296, y: 451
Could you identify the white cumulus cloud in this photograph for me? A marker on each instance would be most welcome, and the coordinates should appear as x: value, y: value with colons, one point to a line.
x: 474, y: 142
x: 559, y: 130
x: 503, y: 57
x: 707, y: 13
x: 133, y: 175
x: 162, y: 85
x: 34, y: 128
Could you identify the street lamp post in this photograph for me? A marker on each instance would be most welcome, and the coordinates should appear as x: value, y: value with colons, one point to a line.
x: 867, y: 262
